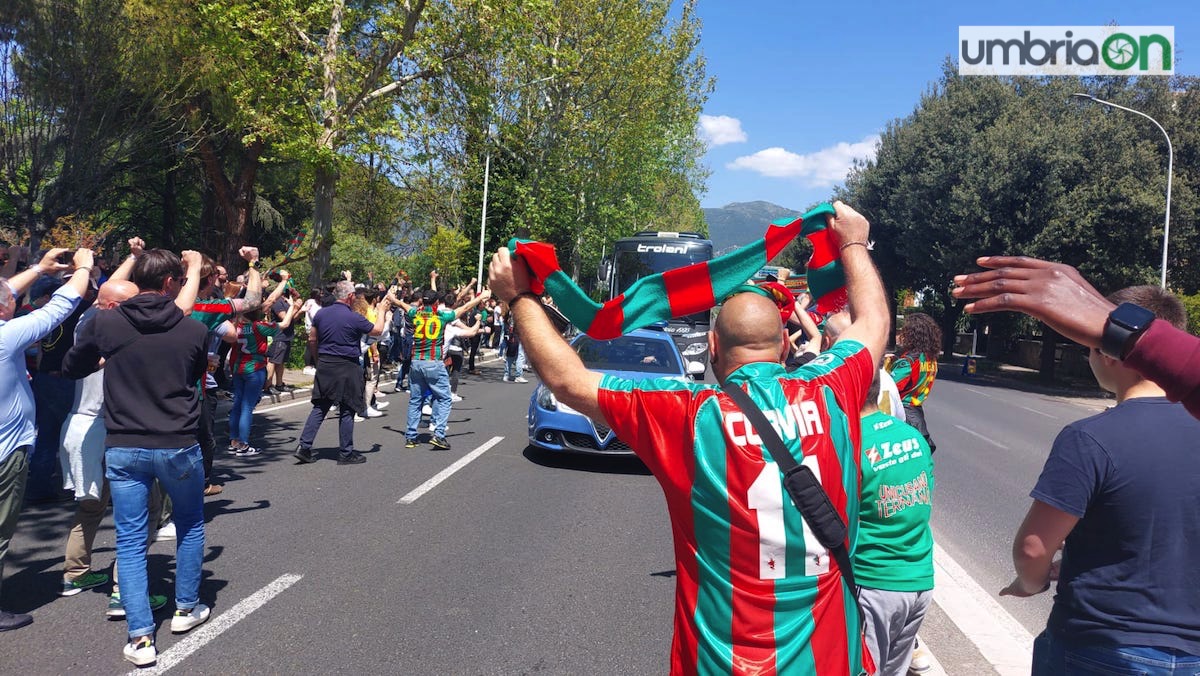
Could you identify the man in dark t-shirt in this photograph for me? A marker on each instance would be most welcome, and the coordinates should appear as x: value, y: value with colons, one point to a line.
x: 1118, y: 494
x: 335, y: 338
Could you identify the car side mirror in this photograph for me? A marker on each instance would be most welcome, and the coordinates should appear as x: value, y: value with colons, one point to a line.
x: 695, y: 368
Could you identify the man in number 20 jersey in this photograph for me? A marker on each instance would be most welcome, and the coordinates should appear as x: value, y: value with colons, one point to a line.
x: 756, y: 593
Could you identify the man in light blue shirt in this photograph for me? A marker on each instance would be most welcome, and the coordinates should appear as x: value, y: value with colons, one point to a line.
x: 17, y: 422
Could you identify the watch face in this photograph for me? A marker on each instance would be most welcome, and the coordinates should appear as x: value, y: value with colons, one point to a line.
x: 1131, y: 316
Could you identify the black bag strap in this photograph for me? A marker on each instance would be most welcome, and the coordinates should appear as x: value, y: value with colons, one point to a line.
x: 806, y: 492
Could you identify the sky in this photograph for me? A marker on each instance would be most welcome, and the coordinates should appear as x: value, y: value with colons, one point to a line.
x: 803, y: 88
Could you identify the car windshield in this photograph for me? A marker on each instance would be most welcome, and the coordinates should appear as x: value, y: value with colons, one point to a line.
x: 629, y: 353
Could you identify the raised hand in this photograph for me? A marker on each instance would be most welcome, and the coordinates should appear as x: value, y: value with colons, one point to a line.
x: 50, y: 264
x: 249, y: 253
x: 136, y: 246
x: 83, y: 258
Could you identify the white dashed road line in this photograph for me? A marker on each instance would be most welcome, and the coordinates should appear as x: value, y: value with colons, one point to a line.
x: 977, y: 434
x: 445, y: 474
x: 1041, y: 413
x: 200, y: 637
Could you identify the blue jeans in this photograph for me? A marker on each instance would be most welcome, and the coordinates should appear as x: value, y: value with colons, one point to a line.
x: 180, y: 472
x: 431, y: 374
x: 1053, y: 656
x: 247, y: 391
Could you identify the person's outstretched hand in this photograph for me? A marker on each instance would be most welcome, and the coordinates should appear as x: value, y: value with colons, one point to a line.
x: 1054, y: 293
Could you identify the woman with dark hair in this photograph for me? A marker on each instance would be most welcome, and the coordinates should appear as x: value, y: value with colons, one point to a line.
x: 915, y: 367
x: 249, y: 359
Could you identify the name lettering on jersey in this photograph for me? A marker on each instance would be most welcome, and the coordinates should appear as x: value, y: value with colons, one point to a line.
x: 803, y: 418
x: 893, y: 499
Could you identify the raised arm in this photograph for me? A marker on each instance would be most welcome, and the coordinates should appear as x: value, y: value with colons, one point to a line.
x: 381, y: 317
x: 870, y: 319
x: 20, y: 282
x: 253, y: 278
x: 395, y: 300
x: 288, y: 316
x: 122, y: 273
x: 462, y: 310
x: 556, y: 363
x: 277, y: 292
x: 192, y: 261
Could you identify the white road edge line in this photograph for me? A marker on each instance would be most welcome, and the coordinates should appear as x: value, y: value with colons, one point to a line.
x: 214, y: 627
x: 977, y: 434
x: 445, y: 474
x: 1003, y: 641
x: 280, y: 407
x: 1034, y: 410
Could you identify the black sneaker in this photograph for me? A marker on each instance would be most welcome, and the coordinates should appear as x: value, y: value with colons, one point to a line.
x: 304, y: 455
x: 440, y: 443
x: 352, y: 458
x: 10, y: 621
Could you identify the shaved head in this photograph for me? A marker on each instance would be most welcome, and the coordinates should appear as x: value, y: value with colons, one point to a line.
x: 747, y: 330
x: 835, y: 324
x: 114, y: 292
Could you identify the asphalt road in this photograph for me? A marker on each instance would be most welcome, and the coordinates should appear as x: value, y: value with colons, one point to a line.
x: 517, y: 563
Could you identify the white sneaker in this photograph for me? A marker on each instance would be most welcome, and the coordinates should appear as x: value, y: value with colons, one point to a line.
x: 185, y: 621
x: 358, y: 418
x: 380, y: 405
x: 374, y: 413
x: 520, y: 379
x: 920, y: 663
x: 455, y: 397
x: 426, y: 410
x: 142, y: 653
x: 380, y: 394
x: 165, y: 533
x: 310, y: 371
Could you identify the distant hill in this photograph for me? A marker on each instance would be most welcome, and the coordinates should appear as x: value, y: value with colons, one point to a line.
x: 741, y: 222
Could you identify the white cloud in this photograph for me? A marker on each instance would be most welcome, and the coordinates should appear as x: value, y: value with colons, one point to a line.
x: 821, y: 169
x: 718, y: 130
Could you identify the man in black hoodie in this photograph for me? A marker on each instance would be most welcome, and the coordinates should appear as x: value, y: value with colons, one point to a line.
x: 153, y: 357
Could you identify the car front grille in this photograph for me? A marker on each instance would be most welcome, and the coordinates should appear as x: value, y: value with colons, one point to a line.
x: 587, y: 442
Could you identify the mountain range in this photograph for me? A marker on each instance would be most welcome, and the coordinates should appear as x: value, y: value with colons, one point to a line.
x: 740, y: 223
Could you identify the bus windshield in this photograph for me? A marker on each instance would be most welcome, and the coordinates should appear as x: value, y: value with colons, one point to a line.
x: 633, y: 265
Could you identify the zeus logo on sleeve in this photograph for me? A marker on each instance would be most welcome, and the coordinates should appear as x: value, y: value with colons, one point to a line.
x: 803, y: 418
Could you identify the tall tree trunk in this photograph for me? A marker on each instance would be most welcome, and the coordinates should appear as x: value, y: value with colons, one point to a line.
x: 324, y: 186
x: 170, y: 206
x: 234, y: 199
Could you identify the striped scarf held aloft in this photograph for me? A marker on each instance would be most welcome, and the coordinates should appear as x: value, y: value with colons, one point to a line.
x: 692, y: 288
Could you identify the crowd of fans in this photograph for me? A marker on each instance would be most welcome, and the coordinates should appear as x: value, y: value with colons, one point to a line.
x: 116, y: 374
x: 113, y: 379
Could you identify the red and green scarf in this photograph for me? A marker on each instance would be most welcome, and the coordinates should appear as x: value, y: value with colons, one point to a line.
x: 692, y: 288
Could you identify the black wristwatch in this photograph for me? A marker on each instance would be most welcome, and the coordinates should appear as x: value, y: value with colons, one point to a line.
x: 1124, y: 326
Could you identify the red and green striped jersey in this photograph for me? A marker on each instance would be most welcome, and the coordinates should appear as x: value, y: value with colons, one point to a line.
x: 756, y: 593
x: 249, y: 353
x: 211, y: 312
x: 914, y: 374
x: 429, y: 327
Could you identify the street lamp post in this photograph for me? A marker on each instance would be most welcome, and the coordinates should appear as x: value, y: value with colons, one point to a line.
x: 1170, y: 171
x: 487, y: 168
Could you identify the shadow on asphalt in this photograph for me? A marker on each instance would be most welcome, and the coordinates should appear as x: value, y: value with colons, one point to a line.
x: 35, y: 583
x: 617, y: 464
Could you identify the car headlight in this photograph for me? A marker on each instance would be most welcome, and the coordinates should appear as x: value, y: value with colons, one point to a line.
x: 545, y: 399
x: 695, y: 349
